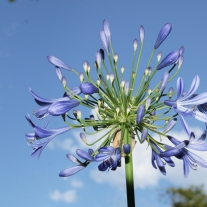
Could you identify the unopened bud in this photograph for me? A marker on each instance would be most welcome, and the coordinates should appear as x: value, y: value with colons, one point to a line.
x: 98, y: 82
x: 122, y: 69
x: 107, y: 77
x: 99, y: 103
x: 75, y: 113
x: 85, y: 65
x: 117, y: 110
x: 116, y: 57
x: 86, y: 96
x: 64, y: 81
x: 111, y: 77
x: 122, y: 84
x: 96, y: 109
x: 135, y: 44
x: 81, y: 76
x: 148, y: 102
x: 149, y: 91
x: 171, y: 90
x: 79, y: 114
x: 159, y: 56
x: 83, y: 137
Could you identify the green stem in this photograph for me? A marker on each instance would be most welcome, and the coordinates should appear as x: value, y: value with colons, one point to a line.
x: 129, y: 172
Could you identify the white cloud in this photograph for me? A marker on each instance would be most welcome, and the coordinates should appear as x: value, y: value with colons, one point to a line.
x: 76, y: 183
x: 146, y: 176
x: 68, y: 196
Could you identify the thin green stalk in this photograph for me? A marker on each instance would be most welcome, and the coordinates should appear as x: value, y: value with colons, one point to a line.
x: 129, y: 172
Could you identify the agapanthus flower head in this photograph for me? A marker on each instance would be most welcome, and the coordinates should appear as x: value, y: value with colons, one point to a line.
x: 164, y: 32
x: 125, y: 108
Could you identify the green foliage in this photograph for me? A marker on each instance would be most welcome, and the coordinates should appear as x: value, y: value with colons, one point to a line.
x: 194, y: 196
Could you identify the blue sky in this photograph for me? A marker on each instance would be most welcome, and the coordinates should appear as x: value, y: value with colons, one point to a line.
x: 69, y: 30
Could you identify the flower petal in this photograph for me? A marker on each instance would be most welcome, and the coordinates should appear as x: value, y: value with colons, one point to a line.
x: 84, y: 155
x: 61, y: 107
x: 71, y: 171
x: 58, y: 63
x: 180, y: 87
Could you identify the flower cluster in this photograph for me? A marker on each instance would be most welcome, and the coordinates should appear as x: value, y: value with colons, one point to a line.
x: 127, y: 110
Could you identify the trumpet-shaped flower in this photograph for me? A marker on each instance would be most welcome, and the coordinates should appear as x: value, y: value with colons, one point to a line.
x: 80, y: 165
x: 160, y: 164
x: 189, y: 159
x: 110, y: 157
x: 41, y: 137
x: 54, y: 107
x: 183, y: 102
x: 140, y: 114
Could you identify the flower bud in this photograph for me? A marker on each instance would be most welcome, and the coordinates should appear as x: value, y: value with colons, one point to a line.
x: 107, y: 31
x: 122, y: 69
x: 171, y: 90
x: 107, y: 77
x: 102, y: 54
x: 170, y: 59
x: 180, y: 61
x: 170, y: 125
x: 126, y: 148
x: 149, y: 91
x: 122, y: 84
x: 111, y: 77
x: 164, y: 32
x: 153, y: 113
x: 117, y: 110
x: 98, y: 82
x: 85, y: 65
x: 144, y: 135
x: 140, y: 114
x: 98, y: 59
x: 83, y: 137
x: 164, y: 81
x: 182, y: 50
x: 79, y: 114
x: 58, y: 63
x: 104, y: 41
x: 96, y: 109
x: 64, y: 81
x: 116, y: 57
x: 148, y: 102
x: 58, y: 72
x: 141, y: 34
x: 159, y: 56
x: 135, y: 44
x: 126, y: 88
x: 88, y: 88
x: 86, y: 97
x: 81, y: 76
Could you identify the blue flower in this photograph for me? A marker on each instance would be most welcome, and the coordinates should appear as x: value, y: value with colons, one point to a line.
x: 183, y: 102
x: 107, y: 31
x: 189, y: 159
x: 54, y: 107
x: 41, y: 137
x: 140, y: 114
x: 88, y: 88
x: 58, y: 63
x: 110, y: 156
x: 80, y: 165
x: 170, y: 59
x: 164, y: 32
x: 160, y: 164
x: 126, y: 148
x: 104, y: 41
